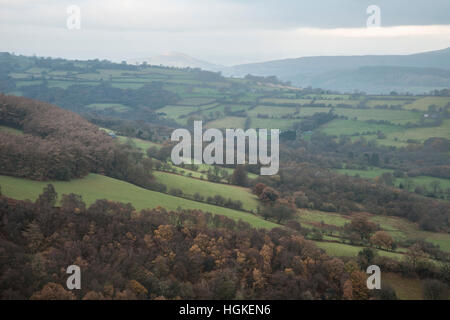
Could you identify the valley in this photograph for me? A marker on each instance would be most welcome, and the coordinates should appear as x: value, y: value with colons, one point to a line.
x: 348, y: 160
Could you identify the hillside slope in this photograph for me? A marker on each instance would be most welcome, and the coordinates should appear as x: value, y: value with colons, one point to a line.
x: 329, y: 71
x: 94, y: 187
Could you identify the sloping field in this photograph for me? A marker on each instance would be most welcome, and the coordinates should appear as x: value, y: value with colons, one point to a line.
x: 398, y: 228
x: 424, y: 103
x: 286, y: 101
x: 95, y: 186
x: 190, y: 186
x: 10, y: 130
x: 102, y: 106
x: 405, y: 288
x: 349, y: 127
x: 422, y: 134
x: 346, y: 250
x: 227, y: 123
x: 282, y: 124
x: 394, y: 116
x: 275, y: 111
x: 139, y: 143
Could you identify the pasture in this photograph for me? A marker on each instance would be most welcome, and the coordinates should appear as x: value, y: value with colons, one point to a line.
x: 10, y: 130
x: 227, y: 122
x: 339, y: 127
x: 113, y: 106
x: 94, y: 186
x: 190, y: 186
x: 422, y: 104
x: 393, y: 116
x: 405, y: 288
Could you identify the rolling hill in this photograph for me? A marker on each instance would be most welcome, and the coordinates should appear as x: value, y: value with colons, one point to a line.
x: 415, y: 73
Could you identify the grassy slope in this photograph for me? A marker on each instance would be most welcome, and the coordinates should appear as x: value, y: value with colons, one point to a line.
x: 376, y: 172
x: 422, y: 134
x: 94, y: 187
x: 405, y: 288
x: 346, y: 250
x: 348, y: 127
x: 423, y: 103
x: 10, y: 130
x: 139, y: 143
x: 394, y: 116
x: 205, y: 188
x: 400, y: 229
x: 102, y: 106
x: 227, y: 122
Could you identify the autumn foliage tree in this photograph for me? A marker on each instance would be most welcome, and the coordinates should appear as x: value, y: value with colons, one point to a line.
x: 269, y: 195
x: 240, y: 176
x: 155, y: 254
x: 360, y: 229
x: 382, y: 239
x: 60, y: 145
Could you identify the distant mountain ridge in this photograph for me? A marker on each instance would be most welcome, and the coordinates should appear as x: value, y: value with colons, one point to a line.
x: 414, y: 72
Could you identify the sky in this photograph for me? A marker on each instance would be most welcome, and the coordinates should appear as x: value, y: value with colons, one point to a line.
x: 225, y: 32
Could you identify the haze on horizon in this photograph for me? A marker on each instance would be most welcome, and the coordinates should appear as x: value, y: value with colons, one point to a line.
x: 225, y: 32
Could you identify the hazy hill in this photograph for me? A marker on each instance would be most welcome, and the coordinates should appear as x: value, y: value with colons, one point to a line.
x: 415, y: 72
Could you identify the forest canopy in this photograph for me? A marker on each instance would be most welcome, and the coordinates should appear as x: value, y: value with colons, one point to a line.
x: 58, y: 144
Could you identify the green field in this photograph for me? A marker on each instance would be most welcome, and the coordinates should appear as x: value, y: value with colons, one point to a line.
x: 94, y: 187
x: 399, y: 228
x: 335, y: 103
x: 10, y: 130
x: 114, y: 106
x: 386, y: 102
x: 423, y: 103
x: 405, y: 288
x: 349, y: 127
x: 139, y: 143
x: 227, y: 122
x: 190, y: 186
x: 197, y: 101
x: 176, y: 112
x: 327, y: 96
x: 422, y: 134
x: 286, y: 101
x: 426, y: 181
x: 271, y: 111
x: 309, y: 111
x: 315, y: 217
x: 369, y: 173
x: 346, y: 250
x: 372, y: 173
x: 282, y: 124
x: 402, y: 229
x: 394, y: 116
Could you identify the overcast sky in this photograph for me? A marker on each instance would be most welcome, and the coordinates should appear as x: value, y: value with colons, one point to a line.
x: 222, y: 31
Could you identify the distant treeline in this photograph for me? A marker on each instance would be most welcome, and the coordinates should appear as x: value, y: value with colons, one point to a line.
x: 151, y: 96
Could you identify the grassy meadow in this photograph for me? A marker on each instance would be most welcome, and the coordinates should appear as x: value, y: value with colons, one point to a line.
x: 95, y: 186
x: 190, y: 186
